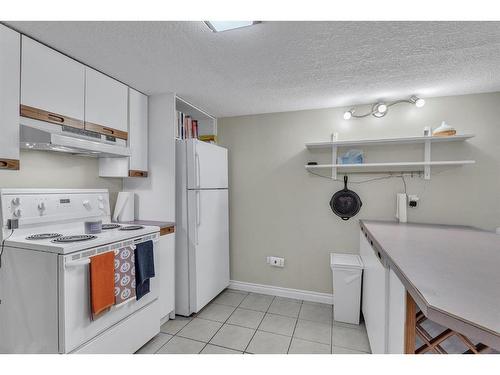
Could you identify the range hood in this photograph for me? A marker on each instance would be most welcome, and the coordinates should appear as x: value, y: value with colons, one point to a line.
x: 38, y: 135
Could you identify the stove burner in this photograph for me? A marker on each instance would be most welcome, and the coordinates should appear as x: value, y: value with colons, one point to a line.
x: 132, y: 227
x: 76, y: 238
x: 43, y: 236
x: 110, y: 226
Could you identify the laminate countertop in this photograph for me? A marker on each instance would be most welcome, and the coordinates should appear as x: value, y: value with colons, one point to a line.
x: 452, y: 273
x: 166, y: 227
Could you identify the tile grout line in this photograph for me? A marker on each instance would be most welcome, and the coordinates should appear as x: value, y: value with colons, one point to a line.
x: 266, y: 312
x: 225, y: 321
x: 268, y: 307
x: 174, y: 335
x: 195, y: 317
x: 294, y: 327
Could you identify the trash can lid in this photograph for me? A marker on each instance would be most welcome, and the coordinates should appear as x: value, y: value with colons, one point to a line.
x: 338, y: 260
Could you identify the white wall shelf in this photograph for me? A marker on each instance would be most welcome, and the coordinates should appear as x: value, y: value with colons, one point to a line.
x: 413, y: 166
x: 388, y: 141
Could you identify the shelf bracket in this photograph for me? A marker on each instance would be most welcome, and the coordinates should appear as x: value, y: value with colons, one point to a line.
x: 334, y: 155
x: 427, y: 159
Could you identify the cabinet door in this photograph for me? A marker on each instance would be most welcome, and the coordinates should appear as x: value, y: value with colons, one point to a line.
x: 138, y: 133
x: 166, y: 247
x: 375, y: 299
x: 10, y: 50
x: 106, y: 105
x: 397, y: 315
x: 52, y: 85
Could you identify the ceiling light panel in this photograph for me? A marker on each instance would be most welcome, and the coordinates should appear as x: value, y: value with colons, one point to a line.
x: 218, y: 26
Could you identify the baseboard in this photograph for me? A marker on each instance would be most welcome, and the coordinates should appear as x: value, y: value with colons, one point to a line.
x: 305, y: 295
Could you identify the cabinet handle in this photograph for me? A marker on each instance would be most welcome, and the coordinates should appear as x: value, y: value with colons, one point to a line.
x: 3, y: 163
x: 53, y: 117
x: 107, y: 130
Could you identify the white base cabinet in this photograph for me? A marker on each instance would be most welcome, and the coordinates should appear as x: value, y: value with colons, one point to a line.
x: 375, y: 297
x: 396, y: 315
x: 166, y: 247
x: 10, y: 52
x: 383, y: 302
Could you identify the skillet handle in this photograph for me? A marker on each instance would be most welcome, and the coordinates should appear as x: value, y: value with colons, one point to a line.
x: 345, y: 182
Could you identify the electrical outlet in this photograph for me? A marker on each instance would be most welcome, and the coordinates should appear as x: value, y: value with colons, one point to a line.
x: 413, y: 200
x: 276, y: 261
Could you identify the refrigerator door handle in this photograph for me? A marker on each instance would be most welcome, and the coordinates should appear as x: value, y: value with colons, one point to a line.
x: 197, y: 168
x: 198, y: 214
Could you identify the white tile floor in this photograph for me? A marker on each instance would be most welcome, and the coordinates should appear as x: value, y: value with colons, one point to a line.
x: 239, y: 322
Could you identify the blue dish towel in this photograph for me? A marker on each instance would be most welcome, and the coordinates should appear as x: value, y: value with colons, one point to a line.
x: 144, y: 268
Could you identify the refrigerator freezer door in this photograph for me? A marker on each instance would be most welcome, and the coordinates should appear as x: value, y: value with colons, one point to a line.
x: 206, y: 165
x: 208, y: 245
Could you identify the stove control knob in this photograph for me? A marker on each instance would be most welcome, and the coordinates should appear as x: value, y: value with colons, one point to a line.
x: 17, y: 212
x: 86, y: 204
x: 16, y: 201
x: 41, y: 206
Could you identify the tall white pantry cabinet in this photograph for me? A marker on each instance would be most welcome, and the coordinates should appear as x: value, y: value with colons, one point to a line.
x: 10, y: 57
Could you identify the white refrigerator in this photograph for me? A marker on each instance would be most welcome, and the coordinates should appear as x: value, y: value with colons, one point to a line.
x: 202, y: 224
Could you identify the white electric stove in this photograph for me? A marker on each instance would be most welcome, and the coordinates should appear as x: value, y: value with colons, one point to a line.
x: 44, y: 275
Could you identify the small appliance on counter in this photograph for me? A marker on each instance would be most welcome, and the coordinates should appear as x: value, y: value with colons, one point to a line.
x: 124, y: 207
x: 401, y: 204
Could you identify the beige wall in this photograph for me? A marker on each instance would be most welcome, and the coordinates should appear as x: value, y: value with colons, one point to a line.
x: 44, y: 169
x: 277, y: 208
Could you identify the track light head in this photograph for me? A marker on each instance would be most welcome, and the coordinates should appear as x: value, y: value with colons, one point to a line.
x: 382, y: 108
x: 379, y: 109
x: 348, y: 114
x: 419, y: 102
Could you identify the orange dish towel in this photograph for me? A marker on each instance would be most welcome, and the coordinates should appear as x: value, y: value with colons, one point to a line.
x: 102, y: 282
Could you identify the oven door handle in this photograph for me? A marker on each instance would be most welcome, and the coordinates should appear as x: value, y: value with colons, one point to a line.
x: 77, y: 263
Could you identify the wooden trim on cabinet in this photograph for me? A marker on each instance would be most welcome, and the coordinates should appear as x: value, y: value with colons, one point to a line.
x: 12, y: 164
x: 106, y: 131
x: 410, y: 324
x: 136, y: 173
x: 53, y: 118
x: 167, y: 230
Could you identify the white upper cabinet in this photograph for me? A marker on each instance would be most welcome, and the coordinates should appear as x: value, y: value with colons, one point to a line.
x: 137, y: 164
x: 52, y: 85
x: 10, y: 51
x: 138, y: 133
x: 106, y: 104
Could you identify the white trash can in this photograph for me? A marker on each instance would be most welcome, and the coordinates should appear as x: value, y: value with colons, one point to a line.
x: 347, y: 270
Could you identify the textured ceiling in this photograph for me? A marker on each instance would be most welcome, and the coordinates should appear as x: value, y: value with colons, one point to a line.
x: 285, y: 66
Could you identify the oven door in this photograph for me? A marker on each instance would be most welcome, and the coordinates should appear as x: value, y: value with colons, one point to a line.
x: 76, y: 326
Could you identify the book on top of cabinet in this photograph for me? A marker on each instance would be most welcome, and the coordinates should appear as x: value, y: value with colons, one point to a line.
x: 186, y: 127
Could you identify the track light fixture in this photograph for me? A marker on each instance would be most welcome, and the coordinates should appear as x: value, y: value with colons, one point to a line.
x: 380, y: 109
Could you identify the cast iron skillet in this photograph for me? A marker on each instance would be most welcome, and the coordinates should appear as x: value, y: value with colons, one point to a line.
x: 345, y: 203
